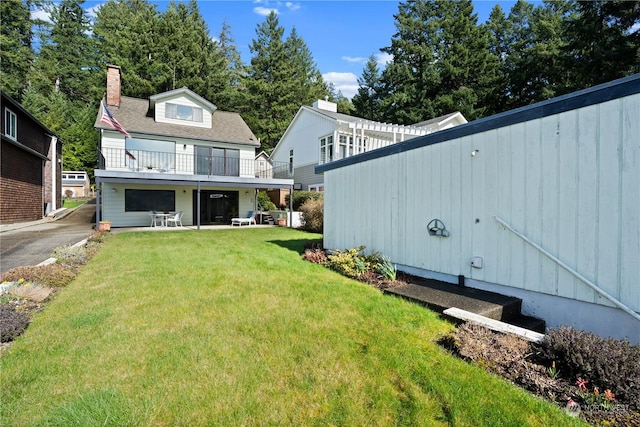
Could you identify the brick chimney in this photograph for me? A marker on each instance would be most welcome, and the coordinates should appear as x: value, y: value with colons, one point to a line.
x: 113, y: 85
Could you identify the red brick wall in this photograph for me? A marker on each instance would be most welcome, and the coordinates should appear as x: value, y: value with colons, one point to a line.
x: 21, y: 196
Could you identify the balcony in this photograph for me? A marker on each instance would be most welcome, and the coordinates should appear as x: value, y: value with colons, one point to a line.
x: 118, y: 159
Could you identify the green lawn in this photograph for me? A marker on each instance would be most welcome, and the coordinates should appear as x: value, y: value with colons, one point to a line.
x: 72, y: 203
x: 232, y: 327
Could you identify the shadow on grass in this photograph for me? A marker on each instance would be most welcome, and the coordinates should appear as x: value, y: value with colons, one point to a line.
x: 298, y: 245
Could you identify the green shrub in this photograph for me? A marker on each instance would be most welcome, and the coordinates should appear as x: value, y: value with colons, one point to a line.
x: 12, y: 323
x: 313, y: 215
x: 54, y: 275
x: 300, y: 198
x: 264, y: 202
x: 350, y: 263
x: 316, y: 256
x: 387, y: 269
x: 605, y: 363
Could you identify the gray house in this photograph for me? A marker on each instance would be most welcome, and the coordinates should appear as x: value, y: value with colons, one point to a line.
x: 540, y: 203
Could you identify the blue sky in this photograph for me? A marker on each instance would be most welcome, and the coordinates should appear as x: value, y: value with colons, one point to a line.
x: 341, y: 35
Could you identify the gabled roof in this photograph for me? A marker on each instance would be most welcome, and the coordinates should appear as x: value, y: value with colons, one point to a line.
x: 183, y: 91
x: 134, y: 115
x: 442, y: 119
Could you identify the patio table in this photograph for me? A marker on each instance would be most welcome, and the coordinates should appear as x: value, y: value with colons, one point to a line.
x: 160, y: 216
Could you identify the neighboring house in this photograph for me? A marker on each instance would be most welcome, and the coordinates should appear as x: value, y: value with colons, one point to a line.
x: 179, y: 153
x: 540, y: 203
x: 31, y: 164
x: 75, y: 184
x: 319, y: 135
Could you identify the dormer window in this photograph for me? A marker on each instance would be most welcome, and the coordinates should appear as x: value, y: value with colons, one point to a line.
x: 183, y: 112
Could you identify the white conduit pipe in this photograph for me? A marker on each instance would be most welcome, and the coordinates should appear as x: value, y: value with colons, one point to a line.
x: 570, y: 270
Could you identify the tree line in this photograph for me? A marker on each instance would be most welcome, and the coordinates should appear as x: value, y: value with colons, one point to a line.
x: 443, y: 61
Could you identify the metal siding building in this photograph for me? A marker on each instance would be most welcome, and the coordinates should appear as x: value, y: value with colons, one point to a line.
x: 561, y: 177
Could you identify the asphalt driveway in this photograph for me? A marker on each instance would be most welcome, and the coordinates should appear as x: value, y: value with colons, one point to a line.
x: 25, y: 244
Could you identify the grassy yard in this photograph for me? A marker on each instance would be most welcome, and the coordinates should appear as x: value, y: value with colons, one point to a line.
x: 72, y: 203
x: 231, y: 327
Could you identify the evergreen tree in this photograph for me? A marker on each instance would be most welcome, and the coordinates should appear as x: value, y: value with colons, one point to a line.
x: 127, y: 34
x: 366, y: 102
x: 603, y: 41
x: 16, y: 55
x: 231, y: 97
x: 188, y: 54
x: 272, y: 102
x: 67, y: 61
x: 307, y: 83
x: 498, y: 29
x: 441, y: 62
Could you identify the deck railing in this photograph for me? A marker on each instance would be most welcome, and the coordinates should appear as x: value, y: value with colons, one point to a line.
x: 119, y: 159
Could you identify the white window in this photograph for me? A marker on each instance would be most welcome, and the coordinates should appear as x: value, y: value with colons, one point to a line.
x: 342, y: 146
x: 10, y: 124
x: 316, y: 187
x: 326, y: 149
x: 183, y: 112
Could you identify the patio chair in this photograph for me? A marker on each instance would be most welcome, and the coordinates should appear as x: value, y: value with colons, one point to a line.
x: 250, y: 218
x: 155, y: 220
x: 175, y: 219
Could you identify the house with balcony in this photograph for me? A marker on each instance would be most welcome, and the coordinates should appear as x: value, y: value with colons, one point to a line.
x: 175, y: 151
x: 319, y: 135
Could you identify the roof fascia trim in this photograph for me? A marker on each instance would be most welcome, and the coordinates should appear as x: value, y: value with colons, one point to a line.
x: 598, y: 94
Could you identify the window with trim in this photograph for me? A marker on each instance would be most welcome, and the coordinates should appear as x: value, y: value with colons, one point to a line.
x: 344, y: 142
x: 326, y: 149
x: 10, y: 124
x: 217, y: 161
x: 183, y: 112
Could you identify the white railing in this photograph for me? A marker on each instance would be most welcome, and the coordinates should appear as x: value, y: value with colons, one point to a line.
x: 577, y: 275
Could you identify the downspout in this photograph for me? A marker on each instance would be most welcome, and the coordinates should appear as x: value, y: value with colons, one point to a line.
x: 291, y: 206
x: 198, y: 206
x: 98, y: 185
x: 577, y: 275
x: 54, y: 175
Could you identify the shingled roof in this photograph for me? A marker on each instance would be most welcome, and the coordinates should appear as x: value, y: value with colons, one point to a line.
x: 136, y: 117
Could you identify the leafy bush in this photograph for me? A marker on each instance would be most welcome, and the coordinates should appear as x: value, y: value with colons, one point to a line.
x: 313, y: 215
x: 54, y: 275
x: 350, y: 263
x: 387, y: 269
x: 316, y: 256
x: 12, y: 323
x: 264, y: 202
x: 606, y: 363
x: 301, y: 197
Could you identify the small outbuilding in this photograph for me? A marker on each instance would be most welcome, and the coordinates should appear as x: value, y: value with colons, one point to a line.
x: 540, y: 203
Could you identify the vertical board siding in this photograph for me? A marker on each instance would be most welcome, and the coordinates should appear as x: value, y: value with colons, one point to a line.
x: 629, y: 189
x: 570, y: 182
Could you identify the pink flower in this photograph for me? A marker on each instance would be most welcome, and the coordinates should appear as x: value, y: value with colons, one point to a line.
x: 582, y: 384
x: 608, y: 395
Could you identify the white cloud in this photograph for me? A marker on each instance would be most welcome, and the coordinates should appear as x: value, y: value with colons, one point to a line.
x: 347, y: 83
x: 264, y: 11
x: 384, y: 58
x: 355, y: 59
x: 42, y: 15
x: 293, y: 6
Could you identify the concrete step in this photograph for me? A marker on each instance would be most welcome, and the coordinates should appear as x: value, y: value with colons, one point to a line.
x: 440, y: 296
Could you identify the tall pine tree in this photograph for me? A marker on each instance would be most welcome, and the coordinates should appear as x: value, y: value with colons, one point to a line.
x: 282, y: 77
x: 366, y: 102
x: 15, y: 38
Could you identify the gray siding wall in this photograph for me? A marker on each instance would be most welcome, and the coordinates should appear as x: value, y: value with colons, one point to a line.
x: 570, y: 182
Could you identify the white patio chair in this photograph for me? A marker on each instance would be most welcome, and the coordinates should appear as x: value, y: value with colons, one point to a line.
x: 176, y: 220
x: 154, y: 219
x: 250, y: 218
